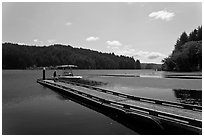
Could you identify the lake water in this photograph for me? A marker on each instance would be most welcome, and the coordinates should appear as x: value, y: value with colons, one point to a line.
x: 29, y: 108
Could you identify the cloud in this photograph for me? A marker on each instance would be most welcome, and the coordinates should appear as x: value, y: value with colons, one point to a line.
x: 149, y: 55
x: 21, y: 43
x: 68, y: 23
x: 141, y: 54
x: 114, y: 43
x: 35, y: 40
x: 126, y: 50
x: 38, y: 41
x: 154, y: 55
x: 92, y: 38
x: 112, y: 47
x: 51, y: 40
x: 163, y: 15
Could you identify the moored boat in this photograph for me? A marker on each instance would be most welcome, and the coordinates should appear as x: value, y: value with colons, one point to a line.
x: 67, y: 72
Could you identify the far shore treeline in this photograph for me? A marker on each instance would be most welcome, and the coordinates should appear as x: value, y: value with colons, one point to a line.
x: 15, y: 56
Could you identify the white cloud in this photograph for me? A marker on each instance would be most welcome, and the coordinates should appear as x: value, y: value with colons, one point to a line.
x: 154, y: 55
x: 149, y: 55
x: 35, y: 40
x: 21, y: 43
x: 126, y: 50
x: 163, y: 15
x: 114, y: 43
x: 113, y: 47
x: 141, y: 53
x: 38, y: 41
x: 68, y: 23
x: 92, y: 38
x: 51, y: 40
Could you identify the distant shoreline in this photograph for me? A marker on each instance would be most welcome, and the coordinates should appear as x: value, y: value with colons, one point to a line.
x: 166, y: 74
x: 175, y: 73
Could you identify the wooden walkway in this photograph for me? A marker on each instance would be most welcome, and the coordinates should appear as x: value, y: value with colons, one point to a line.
x: 186, y: 115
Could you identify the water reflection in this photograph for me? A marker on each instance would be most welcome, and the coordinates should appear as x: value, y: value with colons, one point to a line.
x: 62, y: 97
x: 193, y: 97
x: 139, y: 125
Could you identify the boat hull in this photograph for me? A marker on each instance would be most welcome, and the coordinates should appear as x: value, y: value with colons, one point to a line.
x: 70, y: 77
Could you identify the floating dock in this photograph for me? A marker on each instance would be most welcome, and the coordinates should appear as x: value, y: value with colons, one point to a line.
x: 164, y: 114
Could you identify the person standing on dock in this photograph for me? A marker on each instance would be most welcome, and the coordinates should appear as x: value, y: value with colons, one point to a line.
x: 54, y: 75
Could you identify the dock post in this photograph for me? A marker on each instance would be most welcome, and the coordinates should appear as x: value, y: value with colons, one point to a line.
x: 44, y: 73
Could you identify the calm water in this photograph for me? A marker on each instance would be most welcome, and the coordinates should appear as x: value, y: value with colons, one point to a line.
x: 29, y: 108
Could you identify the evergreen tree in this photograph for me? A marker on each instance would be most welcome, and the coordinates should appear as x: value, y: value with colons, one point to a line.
x: 193, y: 36
x: 187, y: 55
x: 137, y: 64
x: 199, y: 36
x: 182, y: 40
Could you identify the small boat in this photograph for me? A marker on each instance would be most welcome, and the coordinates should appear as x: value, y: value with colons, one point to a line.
x: 67, y: 72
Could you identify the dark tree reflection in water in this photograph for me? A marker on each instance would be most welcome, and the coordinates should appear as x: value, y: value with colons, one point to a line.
x: 192, y: 97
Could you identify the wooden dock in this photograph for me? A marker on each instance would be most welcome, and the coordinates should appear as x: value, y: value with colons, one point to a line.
x: 180, y: 115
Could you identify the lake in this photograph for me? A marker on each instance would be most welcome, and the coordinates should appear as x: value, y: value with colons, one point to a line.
x: 29, y: 108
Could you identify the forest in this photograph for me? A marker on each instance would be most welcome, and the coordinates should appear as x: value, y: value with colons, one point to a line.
x: 187, y: 53
x: 15, y: 56
x: 185, y: 57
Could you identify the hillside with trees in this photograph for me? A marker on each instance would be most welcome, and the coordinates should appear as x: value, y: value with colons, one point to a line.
x: 16, y: 56
x: 187, y: 53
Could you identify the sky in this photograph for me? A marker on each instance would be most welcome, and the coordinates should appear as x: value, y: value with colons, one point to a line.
x: 146, y: 31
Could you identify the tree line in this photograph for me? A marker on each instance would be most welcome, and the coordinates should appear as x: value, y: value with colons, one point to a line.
x: 187, y: 53
x: 15, y: 56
